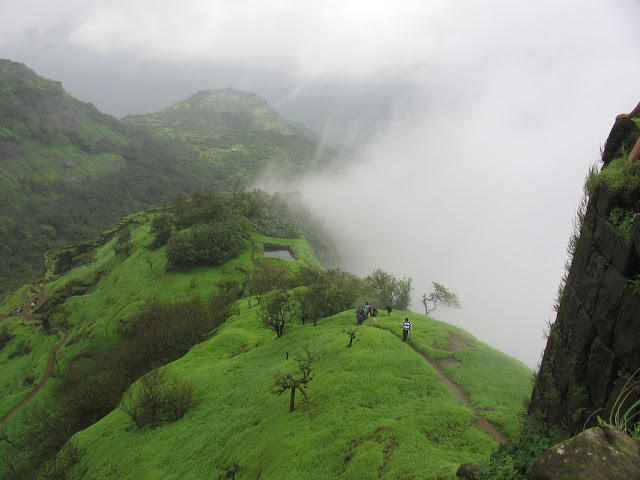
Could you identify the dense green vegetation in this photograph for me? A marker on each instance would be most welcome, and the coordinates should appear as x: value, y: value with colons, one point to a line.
x: 375, y: 409
x: 70, y: 171
x: 238, y: 134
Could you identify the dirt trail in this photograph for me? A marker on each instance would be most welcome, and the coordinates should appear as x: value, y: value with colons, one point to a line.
x: 480, y: 422
x: 52, y: 358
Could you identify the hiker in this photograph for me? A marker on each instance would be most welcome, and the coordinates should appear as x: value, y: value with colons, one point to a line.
x: 359, y: 315
x: 374, y: 314
x: 366, y: 309
x: 406, y: 326
x: 635, y: 152
x: 388, y: 309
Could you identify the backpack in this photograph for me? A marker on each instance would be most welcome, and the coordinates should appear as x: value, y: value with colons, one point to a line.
x: 374, y: 312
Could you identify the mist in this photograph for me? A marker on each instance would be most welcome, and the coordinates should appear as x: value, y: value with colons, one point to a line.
x: 476, y: 180
x: 469, y: 126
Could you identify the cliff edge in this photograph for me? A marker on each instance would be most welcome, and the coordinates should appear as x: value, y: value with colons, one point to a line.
x: 593, y: 348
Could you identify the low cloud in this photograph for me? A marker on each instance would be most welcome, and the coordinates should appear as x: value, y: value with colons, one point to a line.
x: 499, y: 109
x: 476, y: 182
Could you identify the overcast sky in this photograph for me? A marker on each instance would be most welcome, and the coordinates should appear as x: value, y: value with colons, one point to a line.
x: 488, y: 115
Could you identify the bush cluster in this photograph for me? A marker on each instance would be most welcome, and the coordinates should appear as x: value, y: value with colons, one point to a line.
x: 160, y: 396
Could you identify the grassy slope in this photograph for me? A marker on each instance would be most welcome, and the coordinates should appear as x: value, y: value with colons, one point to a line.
x: 47, y: 116
x: 376, y: 409
x: 120, y: 289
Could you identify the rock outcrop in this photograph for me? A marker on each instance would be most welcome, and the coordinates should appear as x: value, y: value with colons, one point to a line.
x: 600, y: 453
x: 593, y: 349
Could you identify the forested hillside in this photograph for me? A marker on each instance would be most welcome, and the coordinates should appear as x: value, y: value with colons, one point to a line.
x: 238, y: 134
x: 69, y: 171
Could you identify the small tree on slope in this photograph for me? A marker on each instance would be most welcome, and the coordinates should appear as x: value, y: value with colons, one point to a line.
x: 291, y: 382
x: 277, y: 311
x: 439, y: 296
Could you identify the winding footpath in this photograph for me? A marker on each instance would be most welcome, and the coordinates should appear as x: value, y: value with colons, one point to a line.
x: 52, y: 358
x: 480, y: 422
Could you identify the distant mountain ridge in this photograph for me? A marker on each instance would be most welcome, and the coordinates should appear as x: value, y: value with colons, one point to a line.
x: 218, y: 112
x: 70, y: 171
x: 46, y: 135
x: 238, y: 134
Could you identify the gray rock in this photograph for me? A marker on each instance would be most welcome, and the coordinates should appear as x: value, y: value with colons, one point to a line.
x: 600, y: 453
x: 601, y: 369
x: 608, y: 199
x: 467, y: 471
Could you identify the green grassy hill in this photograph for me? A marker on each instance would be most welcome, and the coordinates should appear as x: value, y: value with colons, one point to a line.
x: 375, y: 410
x: 70, y: 171
x: 238, y: 134
x: 47, y: 136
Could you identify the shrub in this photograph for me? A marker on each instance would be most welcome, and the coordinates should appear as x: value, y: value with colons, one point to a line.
x: 159, y: 396
x: 514, y: 461
x: 622, y: 219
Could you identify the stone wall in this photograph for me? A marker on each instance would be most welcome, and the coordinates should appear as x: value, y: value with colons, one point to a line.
x: 593, y: 348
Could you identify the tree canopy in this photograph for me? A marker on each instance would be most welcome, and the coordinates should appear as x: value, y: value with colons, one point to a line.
x: 439, y: 296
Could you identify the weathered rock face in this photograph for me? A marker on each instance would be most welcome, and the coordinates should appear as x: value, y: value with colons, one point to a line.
x: 594, y: 347
x: 600, y: 453
x: 467, y: 471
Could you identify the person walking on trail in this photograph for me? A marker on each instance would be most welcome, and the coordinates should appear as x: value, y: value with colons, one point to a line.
x: 374, y: 314
x: 635, y: 152
x: 359, y: 315
x: 406, y: 327
x: 389, y: 310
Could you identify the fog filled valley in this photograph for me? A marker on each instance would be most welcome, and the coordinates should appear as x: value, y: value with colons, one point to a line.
x: 442, y: 160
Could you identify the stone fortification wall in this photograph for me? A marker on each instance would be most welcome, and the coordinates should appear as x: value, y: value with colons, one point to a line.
x: 593, y: 348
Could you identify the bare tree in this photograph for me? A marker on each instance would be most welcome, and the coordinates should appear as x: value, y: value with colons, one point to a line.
x: 439, y: 296
x: 293, y: 382
x: 352, y: 334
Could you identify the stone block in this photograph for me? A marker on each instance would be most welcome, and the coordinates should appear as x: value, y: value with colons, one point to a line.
x: 583, y: 334
x: 607, y: 303
x: 599, y: 228
x: 625, y: 258
x: 601, y: 370
x: 608, y: 199
x: 626, y: 335
x: 590, y: 216
x: 588, y: 281
x: 600, y: 453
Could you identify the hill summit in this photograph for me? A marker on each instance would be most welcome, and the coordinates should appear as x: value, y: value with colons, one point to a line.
x: 218, y: 112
